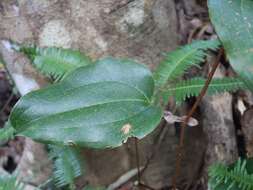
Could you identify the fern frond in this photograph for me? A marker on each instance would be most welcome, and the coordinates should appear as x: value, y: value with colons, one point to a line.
x: 178, y: 61
x: 187, y: 88
x: 10, y: 183
x: 67, y: 165
x: 237, y: 177
x: 55, y: 62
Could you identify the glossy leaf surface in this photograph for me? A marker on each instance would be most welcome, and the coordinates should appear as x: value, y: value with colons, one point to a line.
x: 98, y: 106
x: 233, y: 21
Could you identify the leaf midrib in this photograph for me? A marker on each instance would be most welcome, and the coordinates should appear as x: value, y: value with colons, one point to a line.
x: 119, y: 82
x: 199, y: 86
x: 86, y: 107
x: 85, y: 85
x: 179, y: 62
x: 97, y: 124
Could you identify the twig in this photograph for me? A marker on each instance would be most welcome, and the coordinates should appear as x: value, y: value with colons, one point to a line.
x: 159, y: 140
x: 138, y: 167
x: 137, y: 159
x: 7, y: 102
x: 120, y: 6
x: 124, y: 179
x: 184, y: 124
x: 146, y: 186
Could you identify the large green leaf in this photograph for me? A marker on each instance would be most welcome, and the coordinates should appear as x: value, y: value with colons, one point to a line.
x: 233, y: 21
x: 99, y: 106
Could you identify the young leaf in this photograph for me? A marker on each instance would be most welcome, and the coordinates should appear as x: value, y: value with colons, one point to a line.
x: 98, y: 106
x: 187, y: 88
x: 178, y: 61
x: 55, y: 62
x: 67, y: 165
x: 233, y: 21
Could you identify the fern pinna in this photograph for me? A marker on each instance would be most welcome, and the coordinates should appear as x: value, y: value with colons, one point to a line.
x: 239, y: 176
x: 177, y: 62
x: 192, y: 87
x: 10, y: 182
x: 67, y: 165
x: 55, y: 62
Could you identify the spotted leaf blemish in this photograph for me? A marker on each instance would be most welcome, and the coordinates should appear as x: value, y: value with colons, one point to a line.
x: 126, y: 128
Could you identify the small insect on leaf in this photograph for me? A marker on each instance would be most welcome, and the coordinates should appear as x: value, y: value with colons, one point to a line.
x: 171, y: 119
x: 126, y: 128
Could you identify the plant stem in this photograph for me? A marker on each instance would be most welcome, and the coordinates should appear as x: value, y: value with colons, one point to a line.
x: 7, y: 102
x: 189, y: 115
x: 137, y: 159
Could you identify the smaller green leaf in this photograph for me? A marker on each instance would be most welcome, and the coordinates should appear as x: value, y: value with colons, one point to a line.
x: 187, y: 88
x: 178, y: 61
x: 55, y: 62
x: 67, y: 165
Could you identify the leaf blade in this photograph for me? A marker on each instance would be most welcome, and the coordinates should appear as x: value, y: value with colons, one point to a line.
x: 91, y: 106
x: 235, y: 29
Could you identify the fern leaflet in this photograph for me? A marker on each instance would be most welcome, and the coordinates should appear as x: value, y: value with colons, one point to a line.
x: 10, y: 183
x: 237, y: 177
x: 187, y: 88
x: 55, y: 62
x: 67, y: 165
x: 178, y: 61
